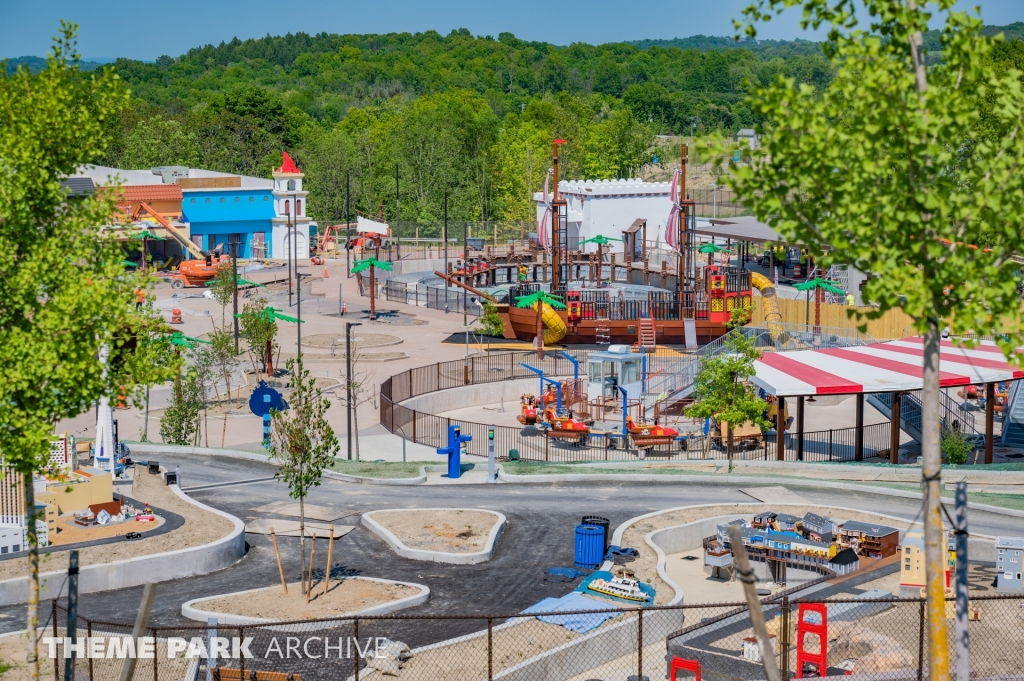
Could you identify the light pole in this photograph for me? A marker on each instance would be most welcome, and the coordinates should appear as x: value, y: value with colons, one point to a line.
x: 398, y: 210
x: 291, y: 242
x: 234, y: 285
x: 465, y: 270
x: 444, y: 238
x: 348, y: 382
x: 348, y: 220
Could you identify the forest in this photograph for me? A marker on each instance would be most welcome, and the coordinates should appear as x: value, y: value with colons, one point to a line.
x: 467, y: 117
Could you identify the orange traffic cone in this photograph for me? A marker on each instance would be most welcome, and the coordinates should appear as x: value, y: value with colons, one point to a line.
x: 176, y: 316
x: 325, y: 272
x: 344, y: 308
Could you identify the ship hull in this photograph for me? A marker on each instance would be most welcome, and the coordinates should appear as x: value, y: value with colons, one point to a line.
x: 523, y: 323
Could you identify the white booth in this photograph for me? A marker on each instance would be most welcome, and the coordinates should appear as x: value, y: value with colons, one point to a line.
x: 618, y: 367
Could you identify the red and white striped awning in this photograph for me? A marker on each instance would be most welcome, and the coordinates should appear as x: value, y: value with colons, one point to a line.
x: 878, y: 368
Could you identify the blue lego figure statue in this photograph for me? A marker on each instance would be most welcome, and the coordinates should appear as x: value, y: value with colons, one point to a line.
x: 454, y: 450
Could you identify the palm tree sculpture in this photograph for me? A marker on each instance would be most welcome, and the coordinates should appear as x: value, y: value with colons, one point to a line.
x: 601, y: 240
x: 537, y: 301
x: 819, y: 285
x: 372, y: 264
x: 272, y: 314
x: 711, y: 248
x: 146, y: 236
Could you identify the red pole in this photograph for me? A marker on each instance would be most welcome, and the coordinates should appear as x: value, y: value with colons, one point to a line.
x: 373, y: 308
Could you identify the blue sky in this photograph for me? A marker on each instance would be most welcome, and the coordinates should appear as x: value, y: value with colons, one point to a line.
x: 146, y: 30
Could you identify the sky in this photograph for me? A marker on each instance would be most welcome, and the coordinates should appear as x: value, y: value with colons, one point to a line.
x: 146, y: 30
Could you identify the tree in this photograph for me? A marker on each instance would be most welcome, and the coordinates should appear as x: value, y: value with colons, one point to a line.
x: 222, y: 349
x: 160, y: 141
x: 537, y: 301
x: 258, y: 331
x: 722, y: 387
x: 66, y: 294
x: 890, y: 167
x: 491, y: 323
x: 222, y: 286
x: 180, y: 423
x: 302, y: 444
x: 371, y: 264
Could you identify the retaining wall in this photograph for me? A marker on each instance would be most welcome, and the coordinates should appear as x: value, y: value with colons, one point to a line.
x: 158, y: 567
x: 473, y: 396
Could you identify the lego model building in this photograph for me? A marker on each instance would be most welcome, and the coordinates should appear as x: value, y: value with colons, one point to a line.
x: 1008, y: 563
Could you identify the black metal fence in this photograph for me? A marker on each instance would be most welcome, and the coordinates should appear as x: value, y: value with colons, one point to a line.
x: 530, y: 443
x: 866, y: 639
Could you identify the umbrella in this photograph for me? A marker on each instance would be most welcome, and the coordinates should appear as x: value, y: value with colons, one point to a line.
x: 711, y: 248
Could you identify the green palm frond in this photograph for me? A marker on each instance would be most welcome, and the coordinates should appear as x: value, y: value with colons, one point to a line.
x: 600, y: 240
x: 546, y: 298
x: 818, y: 282
x: 366, y: 263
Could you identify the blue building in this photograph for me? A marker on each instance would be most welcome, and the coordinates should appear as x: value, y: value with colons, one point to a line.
x: 216, y: 214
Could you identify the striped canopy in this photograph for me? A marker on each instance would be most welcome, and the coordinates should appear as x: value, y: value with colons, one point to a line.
x: 878, y: 368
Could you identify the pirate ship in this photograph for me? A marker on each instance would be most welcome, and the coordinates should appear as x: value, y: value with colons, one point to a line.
x: 615, y: 298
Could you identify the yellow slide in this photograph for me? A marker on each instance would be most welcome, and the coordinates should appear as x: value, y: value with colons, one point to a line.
x: 772, y: 316
x: 554, y: 327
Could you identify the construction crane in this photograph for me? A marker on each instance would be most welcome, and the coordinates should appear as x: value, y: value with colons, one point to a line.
x: 187, y: 244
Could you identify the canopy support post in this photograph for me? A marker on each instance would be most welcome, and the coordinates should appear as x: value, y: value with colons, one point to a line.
x: 780, y: 430
x: 990, y: 407
x: 800, y: 428
x: 858, y: 442
x: 894, y: 429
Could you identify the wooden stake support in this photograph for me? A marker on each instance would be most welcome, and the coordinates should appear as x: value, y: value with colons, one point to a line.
x: 280, y: 568
x: 330, y: 555
x: 312, y: 557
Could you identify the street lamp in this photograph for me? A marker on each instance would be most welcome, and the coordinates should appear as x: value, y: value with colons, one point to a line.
x: 233, y: 240
x: 348, y: 382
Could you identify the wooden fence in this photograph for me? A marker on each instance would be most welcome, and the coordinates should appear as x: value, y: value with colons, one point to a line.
x: 893, y: 324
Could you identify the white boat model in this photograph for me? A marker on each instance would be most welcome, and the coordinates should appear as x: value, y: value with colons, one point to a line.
x: 623, y: 585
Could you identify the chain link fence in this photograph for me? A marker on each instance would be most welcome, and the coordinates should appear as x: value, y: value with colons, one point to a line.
x: 880, y: 638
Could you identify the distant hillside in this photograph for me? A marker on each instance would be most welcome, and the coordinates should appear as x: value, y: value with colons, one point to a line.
x: 37, y: 64
x: 778, y: 48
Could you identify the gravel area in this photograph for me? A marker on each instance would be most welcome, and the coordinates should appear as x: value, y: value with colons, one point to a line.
x: 201, y: 527
x: 347, y: 596
x: 451, y: 531
x: 646, y: 564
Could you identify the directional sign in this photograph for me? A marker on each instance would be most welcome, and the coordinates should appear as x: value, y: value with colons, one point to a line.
x: 264, y: 398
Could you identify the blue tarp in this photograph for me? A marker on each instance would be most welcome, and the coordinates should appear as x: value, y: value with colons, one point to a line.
x: 572, y: 603
x: 625, y: 552
x: 568, y: 573
x: 600, y: 574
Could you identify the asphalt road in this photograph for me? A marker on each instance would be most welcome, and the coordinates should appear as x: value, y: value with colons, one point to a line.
x: 541, y: 521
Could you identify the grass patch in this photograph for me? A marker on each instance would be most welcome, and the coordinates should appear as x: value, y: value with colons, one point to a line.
x: 6, y: 666
x: 370, y: 469
x: 1011, y: 501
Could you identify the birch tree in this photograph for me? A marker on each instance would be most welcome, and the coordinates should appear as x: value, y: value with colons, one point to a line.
x: 889, y: 168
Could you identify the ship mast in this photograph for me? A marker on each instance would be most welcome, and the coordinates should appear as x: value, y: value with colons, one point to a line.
x: 559, y: 214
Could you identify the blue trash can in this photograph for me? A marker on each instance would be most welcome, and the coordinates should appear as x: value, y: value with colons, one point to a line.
x: 589, y: 546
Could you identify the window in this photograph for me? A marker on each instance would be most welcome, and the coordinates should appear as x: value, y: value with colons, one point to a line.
x: 192, y: 201
x: 291, y: 185
x: 1000, y: 552
x: 3, y: 549
x: 16, y: 548
x: 222, y: 199
x: 298, y: 206
x: 207, y: 200
x: 287, y: 207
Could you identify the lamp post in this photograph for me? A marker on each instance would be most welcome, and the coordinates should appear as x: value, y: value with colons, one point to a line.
x: 465, y: 271
x: 291, y: 242
x: 398, y: 209
x: 234, y: 285
x: 348, y: 382
x: 348, y: 222
x: 444, y: 238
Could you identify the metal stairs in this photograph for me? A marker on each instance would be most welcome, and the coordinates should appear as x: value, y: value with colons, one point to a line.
x: 1013, y: 418
x: 951, y: 413
x: 646, y: 339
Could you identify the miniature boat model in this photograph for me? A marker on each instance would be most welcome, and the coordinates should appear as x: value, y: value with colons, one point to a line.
x: 623, y: 585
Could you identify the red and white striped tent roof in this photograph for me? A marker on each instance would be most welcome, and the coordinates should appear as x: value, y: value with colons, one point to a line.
x: 878, y: 368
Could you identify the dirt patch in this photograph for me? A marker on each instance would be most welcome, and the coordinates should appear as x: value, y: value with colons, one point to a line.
x: 336, y: 341
x: 646, y: 564
x: 450, y: 531
x: 347, y: 596
x: 201, y: 527
x: 70, y: 532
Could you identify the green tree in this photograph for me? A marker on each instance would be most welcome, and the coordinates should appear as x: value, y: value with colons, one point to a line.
x: 181, y: 421
x: 258, y: 330
x: 723, y: 390
x: 891, y: 168
x: 491, y: 323
x: 222, y: 350
x: 302, y: 444
x: 66, y: 294
x: 160, y: 141
x: 222, y: 286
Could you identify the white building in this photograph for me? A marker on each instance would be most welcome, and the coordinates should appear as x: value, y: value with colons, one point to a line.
x: 290, y: 208
x: 611, y: 207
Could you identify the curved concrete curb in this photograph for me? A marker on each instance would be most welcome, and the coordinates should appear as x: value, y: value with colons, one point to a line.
x: 981, y: 547
x: 745, y: 479
x: 151, y: 448
x: 189, y: 609
x: 160, y: 567
x: 358, y: 479
x: 436, y: 556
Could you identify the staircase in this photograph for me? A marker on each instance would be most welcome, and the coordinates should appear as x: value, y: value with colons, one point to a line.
x: 646, y: 339
x: 1013, y: 418
x: 950, y: 413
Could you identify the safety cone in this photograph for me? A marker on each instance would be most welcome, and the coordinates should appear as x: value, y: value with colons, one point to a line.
x: 325, y: 272
x: 176, y: 316
x: 344, y: 308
